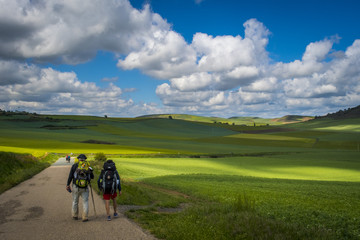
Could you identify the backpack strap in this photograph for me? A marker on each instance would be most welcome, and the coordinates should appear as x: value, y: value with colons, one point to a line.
x: 103, y: 181
x: 113, y: 189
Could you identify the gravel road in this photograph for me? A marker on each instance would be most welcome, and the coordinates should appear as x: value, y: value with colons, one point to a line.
x: 40, y: 208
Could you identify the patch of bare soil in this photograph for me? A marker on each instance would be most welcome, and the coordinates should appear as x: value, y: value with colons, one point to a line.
x: 125, y: 208
x: 164, y: 190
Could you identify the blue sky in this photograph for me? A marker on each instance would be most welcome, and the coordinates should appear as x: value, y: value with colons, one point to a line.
x: 225, y: 58
x: 294, y: 24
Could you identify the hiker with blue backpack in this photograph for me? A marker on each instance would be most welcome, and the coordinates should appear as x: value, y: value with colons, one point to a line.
x: 109, y: 183
x: 80, y: 175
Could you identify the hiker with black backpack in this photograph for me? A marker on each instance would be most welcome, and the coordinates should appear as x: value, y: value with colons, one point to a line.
x: 108, y: 183
x: 80, y: 174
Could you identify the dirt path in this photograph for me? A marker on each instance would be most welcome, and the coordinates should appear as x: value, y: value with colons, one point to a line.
x: 40, y: 208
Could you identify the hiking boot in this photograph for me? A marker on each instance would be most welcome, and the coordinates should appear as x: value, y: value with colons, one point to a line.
x: 116, y: 215
x: 75, y: 218
x: 108, y: 218
x: 85, y: 220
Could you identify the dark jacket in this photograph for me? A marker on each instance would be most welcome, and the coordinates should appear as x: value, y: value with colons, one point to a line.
x: 100, y: 179
x: 72, y: 171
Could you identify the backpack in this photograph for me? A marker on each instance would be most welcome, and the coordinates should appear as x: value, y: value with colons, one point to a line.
x: 109, y: 181
x: 81, y: 175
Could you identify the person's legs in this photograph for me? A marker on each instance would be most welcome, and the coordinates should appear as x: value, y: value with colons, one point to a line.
x: 75, y: 203
x: 107, y: 207
x: 107, y: 197
x: 115, y: 206
x: 85, y: 198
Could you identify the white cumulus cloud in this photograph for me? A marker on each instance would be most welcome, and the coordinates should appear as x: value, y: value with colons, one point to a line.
x: 72, y: 31
x: 227, y: 75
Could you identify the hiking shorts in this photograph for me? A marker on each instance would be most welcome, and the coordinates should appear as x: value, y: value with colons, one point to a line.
x: 108, y: 196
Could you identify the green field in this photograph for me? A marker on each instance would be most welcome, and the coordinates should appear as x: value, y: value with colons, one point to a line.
x: 332, y: 166
x: 293, y: 191
x: 211, y: 178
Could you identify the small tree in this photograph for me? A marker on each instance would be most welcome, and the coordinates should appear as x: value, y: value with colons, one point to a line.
x: 101, y: 157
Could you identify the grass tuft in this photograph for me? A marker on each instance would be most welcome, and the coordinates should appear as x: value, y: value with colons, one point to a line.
x: 244, y: 203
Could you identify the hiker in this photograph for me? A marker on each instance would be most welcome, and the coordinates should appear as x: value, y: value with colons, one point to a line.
x: 80, y: 174
x: 108, y: 183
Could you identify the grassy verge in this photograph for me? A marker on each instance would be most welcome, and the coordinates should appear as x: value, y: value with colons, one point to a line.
x: 223, y: 207
x: 304, y: 208
x: 222, y: 221
x: 226, y: 198
x: 16, y: 168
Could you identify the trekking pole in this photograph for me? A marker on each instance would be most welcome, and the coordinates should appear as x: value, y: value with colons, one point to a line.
x: 92, y: 196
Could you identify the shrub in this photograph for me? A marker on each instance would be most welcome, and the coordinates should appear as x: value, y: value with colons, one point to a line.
x: 100, y: 157
x: 16, y: 168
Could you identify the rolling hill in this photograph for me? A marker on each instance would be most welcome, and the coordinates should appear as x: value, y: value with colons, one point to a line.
x: 248, y: 121
x: 304, y: 173
x: 178, y: 134
x: 343, y: 114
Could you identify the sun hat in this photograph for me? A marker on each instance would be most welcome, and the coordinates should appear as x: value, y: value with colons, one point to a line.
x: 82, y: 157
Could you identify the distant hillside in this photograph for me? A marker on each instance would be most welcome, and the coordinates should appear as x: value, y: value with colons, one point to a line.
x: 248, y: 121
x: 343, y: 114
x: 185, y: 117
x: 252, y: 121
x: 292, y: 119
